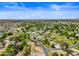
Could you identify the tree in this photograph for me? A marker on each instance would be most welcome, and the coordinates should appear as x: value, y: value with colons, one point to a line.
x: 55, y: 54
x: 47, y: 41
x: 9, y: 33
x: 4, y: 35
x: 53, y: 46
x: 26, y: 50
x: 64, y: 45
x: 61, y: 54
x: 10, y: 51
x: 69, y: 52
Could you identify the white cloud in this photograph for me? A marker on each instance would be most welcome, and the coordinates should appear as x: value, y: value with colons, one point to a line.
x: 14, y: 5
x: 56, y: 7
x: 64, y: 6
x: 28, y: 13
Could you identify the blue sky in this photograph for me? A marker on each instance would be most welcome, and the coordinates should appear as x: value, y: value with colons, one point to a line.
x: 39, y: 10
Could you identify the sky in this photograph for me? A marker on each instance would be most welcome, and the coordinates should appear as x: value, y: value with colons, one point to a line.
x: 39, y: 10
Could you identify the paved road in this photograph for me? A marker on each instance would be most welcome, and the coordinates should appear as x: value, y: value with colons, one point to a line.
x: 47, y: 49
x: 74, y: 46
